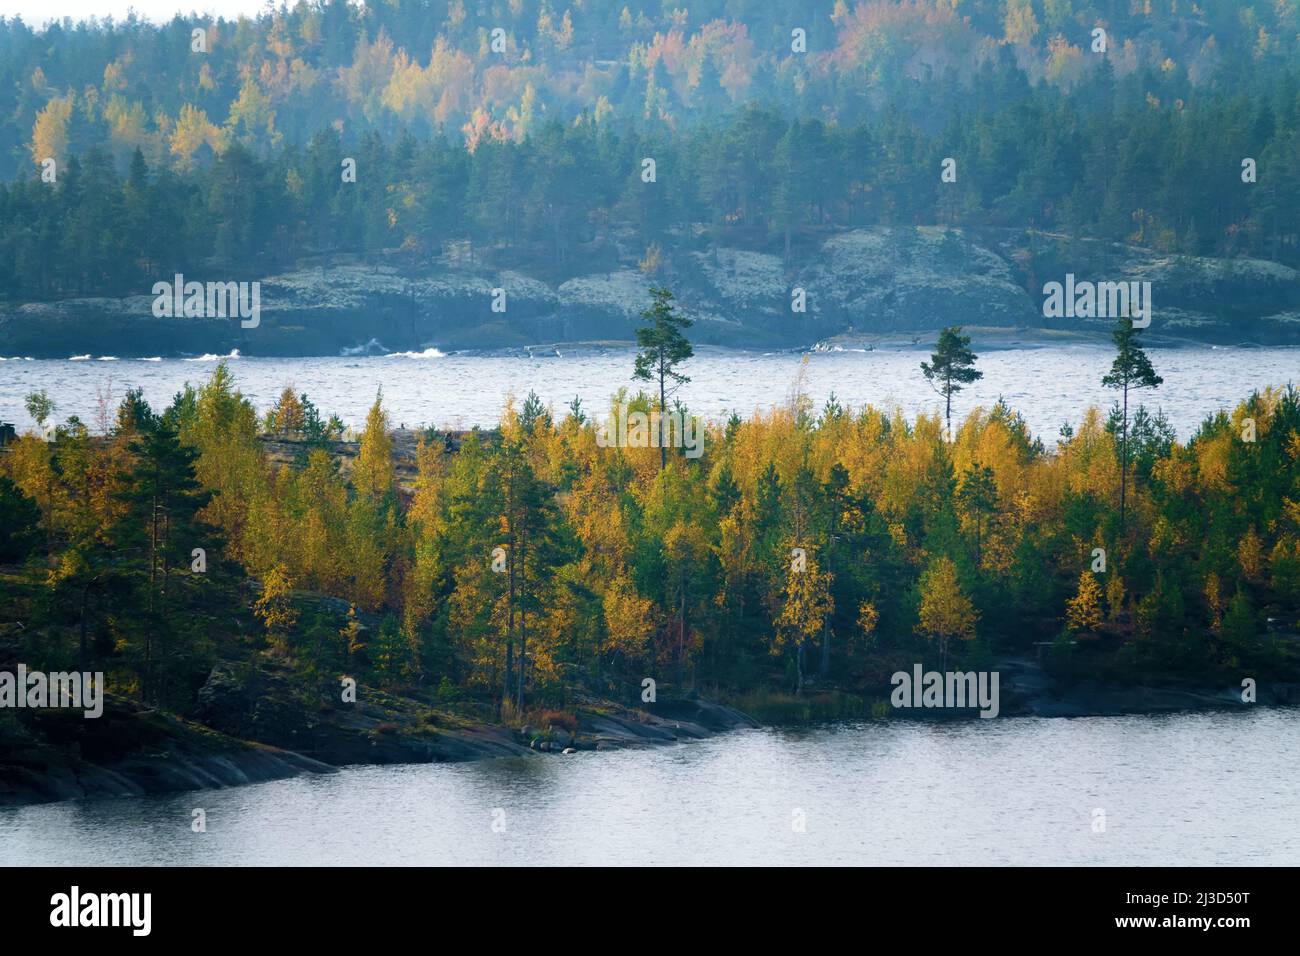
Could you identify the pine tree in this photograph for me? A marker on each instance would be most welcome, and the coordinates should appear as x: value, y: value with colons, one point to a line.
x: 664, y: 348
x: 978, y: 493
x: 163, y: 501
x: 1131, y: 369
x: 20, y: 519
x: 951, y: 366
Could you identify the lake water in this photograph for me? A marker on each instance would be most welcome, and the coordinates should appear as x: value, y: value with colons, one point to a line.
x: 1191, y: 789
x: 1048, y: 385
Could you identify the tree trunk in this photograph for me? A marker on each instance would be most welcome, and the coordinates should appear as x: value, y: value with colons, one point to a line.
x: 681, y: 635
x: 947, y: 413
x: 510, y: 627
x: 826, y: 651
x: 81, y: 644
x: 663, y: 451
x: 523, y: 634
x: 1123, y: 460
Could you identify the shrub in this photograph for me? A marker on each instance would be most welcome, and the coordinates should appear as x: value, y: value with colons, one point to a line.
x: 560, y: 719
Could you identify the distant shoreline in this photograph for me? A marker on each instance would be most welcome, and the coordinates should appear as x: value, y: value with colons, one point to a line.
x: 983, y: 338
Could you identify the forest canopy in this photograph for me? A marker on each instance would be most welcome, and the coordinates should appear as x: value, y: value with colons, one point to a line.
x: 525, y: 564
x: 535, y: 154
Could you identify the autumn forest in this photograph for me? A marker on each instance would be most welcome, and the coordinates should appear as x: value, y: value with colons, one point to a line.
x: 771, y: 125
x: 806, y: 548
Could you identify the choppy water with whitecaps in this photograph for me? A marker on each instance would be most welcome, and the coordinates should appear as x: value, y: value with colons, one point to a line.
x: 1047, y: 385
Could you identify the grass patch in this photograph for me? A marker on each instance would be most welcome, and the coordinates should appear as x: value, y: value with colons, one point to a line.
x: 779, y: 707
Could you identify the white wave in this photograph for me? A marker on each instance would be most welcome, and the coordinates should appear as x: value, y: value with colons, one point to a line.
x: 210, y: 357
x: 370, y: 348
x: 426, y: 354
x: 78, y: 358
x: 156, y: 358
x: 108, y: 358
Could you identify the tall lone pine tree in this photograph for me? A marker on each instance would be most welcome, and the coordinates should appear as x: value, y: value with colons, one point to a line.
x: 1130, y: 370
x: 951, y: 365
x: 665, y: 347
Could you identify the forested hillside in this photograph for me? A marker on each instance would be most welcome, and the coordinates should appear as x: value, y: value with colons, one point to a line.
x: 762, y: 137
x: 530, y: 566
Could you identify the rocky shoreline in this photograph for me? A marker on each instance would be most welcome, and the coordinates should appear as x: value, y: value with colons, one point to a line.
x: 874, y: 284
x: 1029, y: 691
x: 251, y: 730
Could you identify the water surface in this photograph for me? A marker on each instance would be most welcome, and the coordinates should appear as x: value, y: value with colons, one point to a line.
x: 1196, y: 789
x: 1048, y: 385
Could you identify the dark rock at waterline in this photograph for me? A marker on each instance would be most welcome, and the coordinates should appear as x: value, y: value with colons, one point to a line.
x: 697, y: 711
x: 263, y: 703
x: 129, y: 751
x: 1026, y: 689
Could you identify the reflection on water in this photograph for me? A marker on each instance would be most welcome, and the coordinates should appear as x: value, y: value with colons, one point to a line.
x: 1198, y: 789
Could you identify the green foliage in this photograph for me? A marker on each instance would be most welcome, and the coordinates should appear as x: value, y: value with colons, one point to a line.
x: 531, y: 565
x: 951, y: 366
x: 663, y: 347
x: 40, y: 406
x: 163, y: 168
x: 20, y: 519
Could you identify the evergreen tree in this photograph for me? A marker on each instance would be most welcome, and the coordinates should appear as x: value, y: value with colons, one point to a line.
x: 20, y: 519
x: 951, y: 366
x: 1130, y: 370
x: 160, y: 529
x: 664, y: 347
x: 978, y: 493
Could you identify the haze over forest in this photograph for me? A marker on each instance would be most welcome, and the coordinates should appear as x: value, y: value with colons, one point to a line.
x: 776, y: 130
x: 268, y: 591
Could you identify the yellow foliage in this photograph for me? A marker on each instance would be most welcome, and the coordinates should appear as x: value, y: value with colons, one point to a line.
x: 629, y: 618
x: 1212, y: 457
x: 1214, y: 601
x: 945, y: 610
x: 1250, y: 554
x: 372, y: 472
x: 50, y: 131
x: 194, y: 129
x: 273, y: 606
x: 1114, y: 596
x: 1083, y: 611
x: 806, y: 603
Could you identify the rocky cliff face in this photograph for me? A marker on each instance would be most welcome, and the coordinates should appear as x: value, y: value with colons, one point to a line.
x: 861, y: 284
